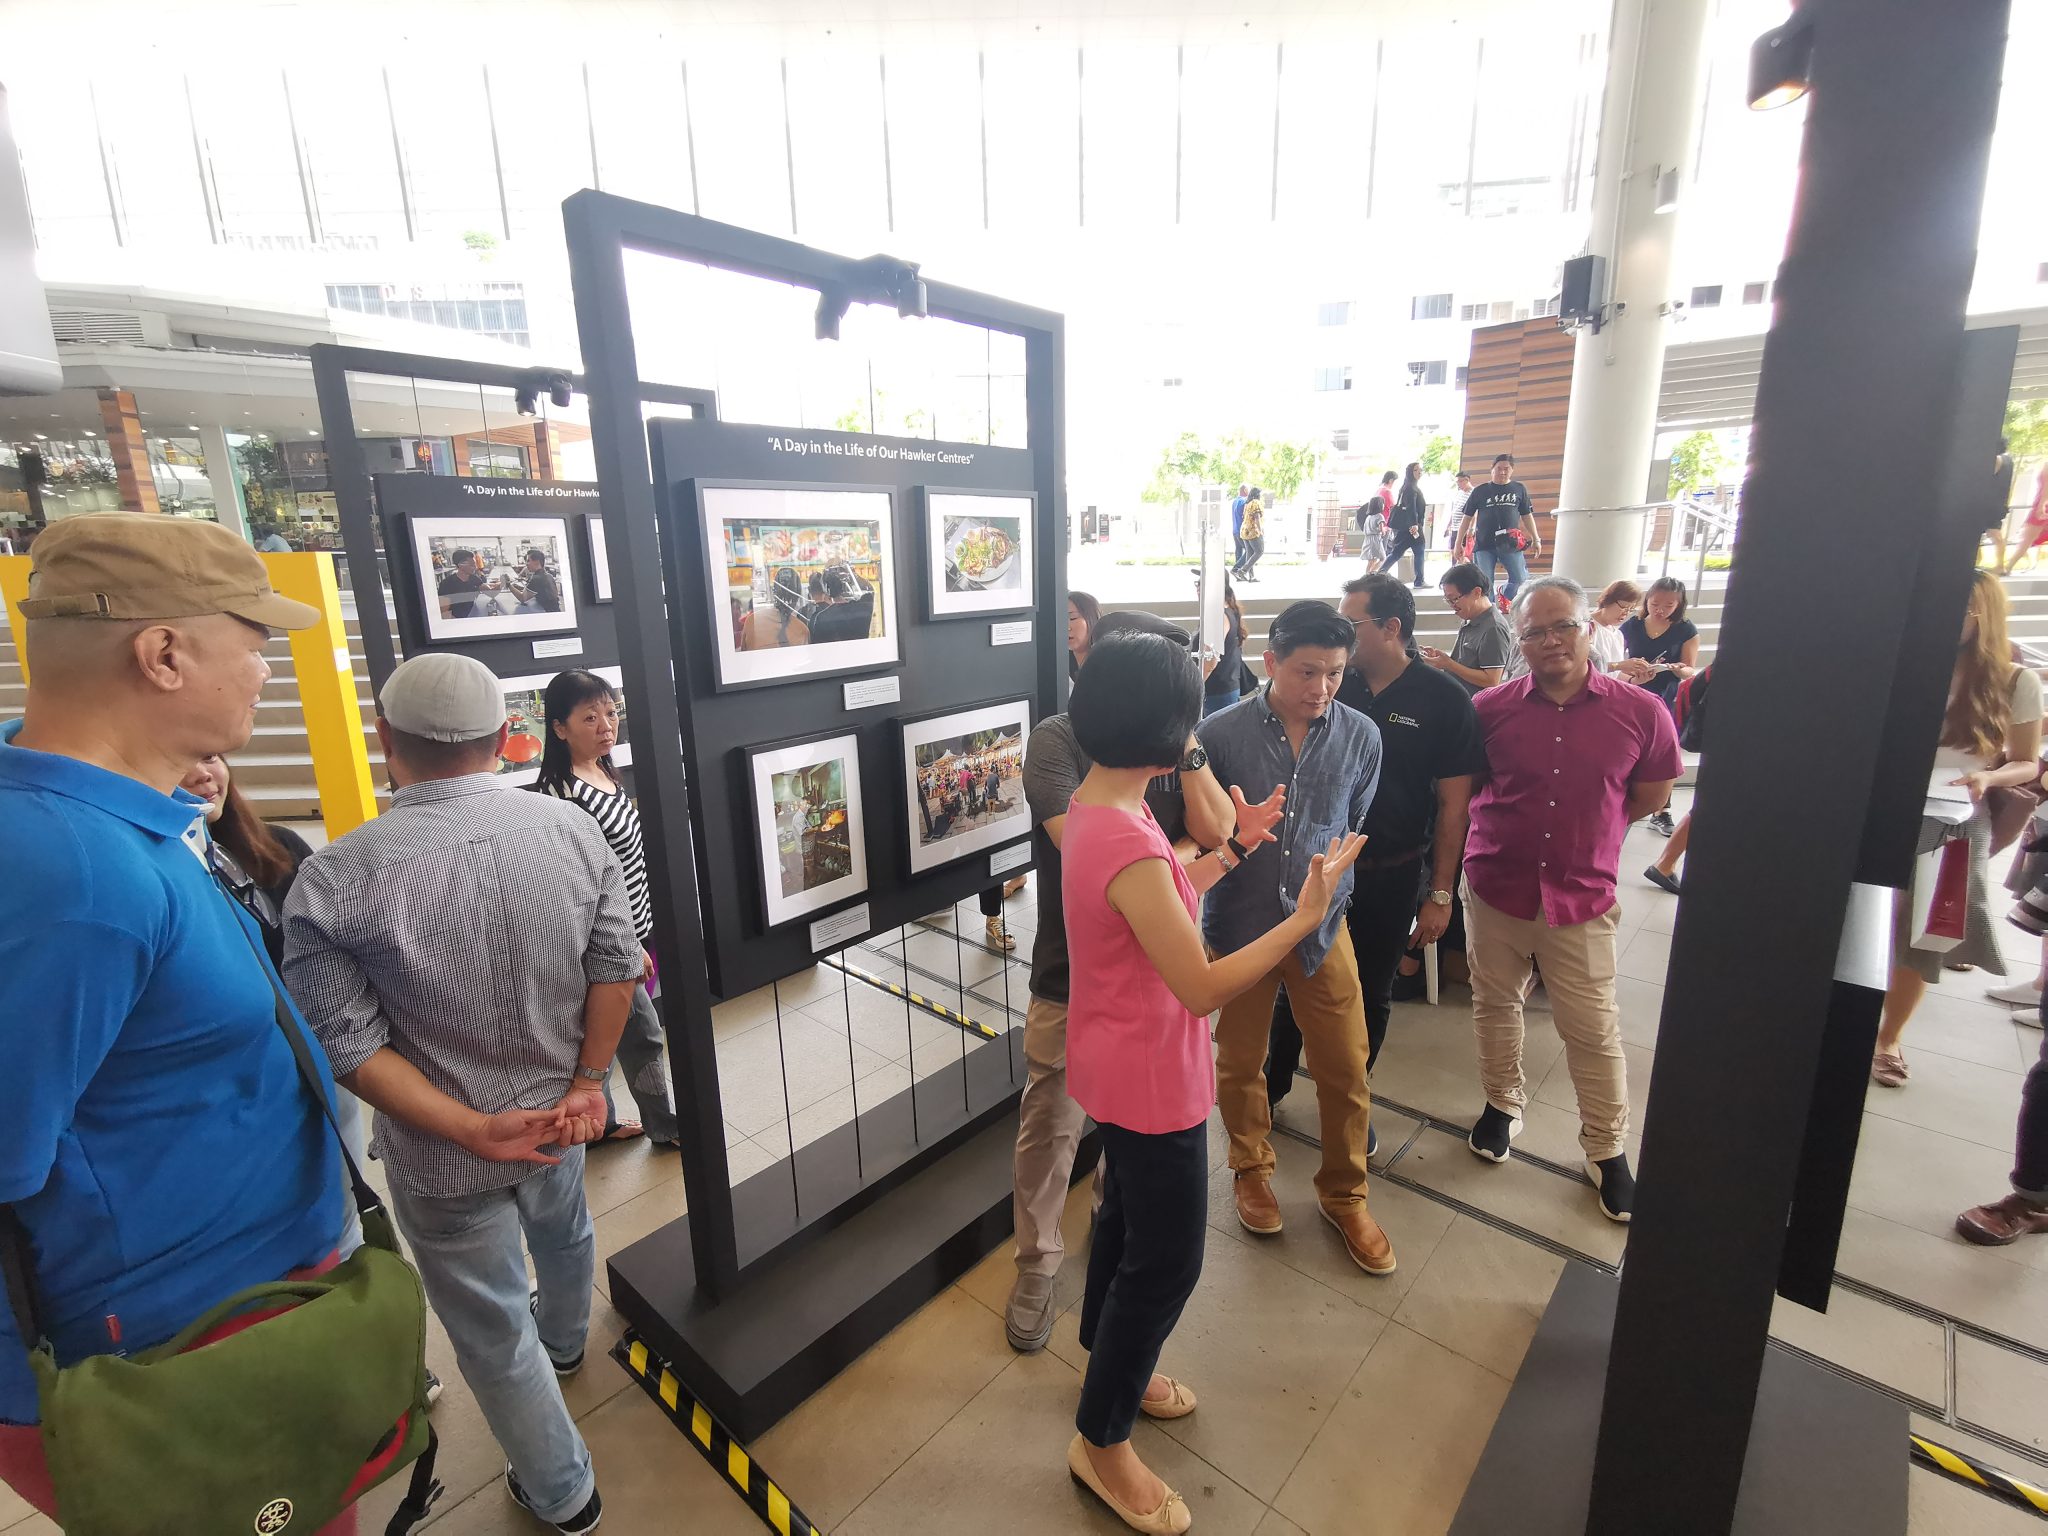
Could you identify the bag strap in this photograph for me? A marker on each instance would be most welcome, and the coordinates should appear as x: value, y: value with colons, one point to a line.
x: 302, y: 1057
x: 17, y: 1260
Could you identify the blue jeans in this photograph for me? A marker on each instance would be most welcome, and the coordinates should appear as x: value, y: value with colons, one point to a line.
x: 1510, y: 559
x: 643, y: 1059
x: 467, y: 1250
x: 1212, y: 702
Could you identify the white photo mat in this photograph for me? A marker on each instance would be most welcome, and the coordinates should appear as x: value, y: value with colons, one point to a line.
x: 494, y: 539
x: 785, y: 515
x: 781, y: 904
x: 600, y: 561
x: 1011, y: 819
x: 955, y: 523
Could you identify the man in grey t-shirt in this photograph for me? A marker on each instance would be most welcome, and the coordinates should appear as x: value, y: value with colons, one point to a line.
x: 1188, y: 804
x: 1479, y: 655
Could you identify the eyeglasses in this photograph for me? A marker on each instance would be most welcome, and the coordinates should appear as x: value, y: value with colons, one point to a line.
x: 1565, y: 630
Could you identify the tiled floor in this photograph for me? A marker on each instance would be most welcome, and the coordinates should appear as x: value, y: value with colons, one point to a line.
x: 1331, y: 1402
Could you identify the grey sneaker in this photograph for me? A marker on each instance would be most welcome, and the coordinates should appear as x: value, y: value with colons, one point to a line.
x: 1027, y: 1320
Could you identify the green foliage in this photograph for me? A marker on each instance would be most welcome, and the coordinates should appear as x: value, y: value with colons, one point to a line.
x: 482, y: 241
x: 1696, y: 463
x: 2026, y: 429
x: 1439, y: 455
x: 1190, y: 462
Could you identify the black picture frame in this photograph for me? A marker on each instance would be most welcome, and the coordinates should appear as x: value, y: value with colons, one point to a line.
x: 759, y: 814
x: 717, y: 593
x: 905, y: 756
x: 931, y: 559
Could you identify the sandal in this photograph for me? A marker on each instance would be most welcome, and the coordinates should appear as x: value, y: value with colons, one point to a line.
x: 1177, y: 1404
x: 1888, y: 1069
x: 622, y: 1130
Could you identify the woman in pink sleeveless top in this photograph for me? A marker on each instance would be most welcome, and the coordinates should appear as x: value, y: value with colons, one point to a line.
x: 1139, y: 1058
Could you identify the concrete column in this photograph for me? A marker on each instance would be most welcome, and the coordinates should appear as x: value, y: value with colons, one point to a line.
x: 1650, y: 121
x: 227, y: 485
x: 129, y: 452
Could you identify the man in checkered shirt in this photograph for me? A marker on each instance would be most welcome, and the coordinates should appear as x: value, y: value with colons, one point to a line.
x: 468, y: 960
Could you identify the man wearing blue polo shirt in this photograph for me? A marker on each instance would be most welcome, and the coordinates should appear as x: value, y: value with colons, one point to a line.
x: 161, y: 1150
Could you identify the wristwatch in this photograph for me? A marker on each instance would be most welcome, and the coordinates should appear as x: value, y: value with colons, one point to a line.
x: 592, y: 1074
x: 1223, y: 857
x: 1195, y: 761
x: 1440, y: 898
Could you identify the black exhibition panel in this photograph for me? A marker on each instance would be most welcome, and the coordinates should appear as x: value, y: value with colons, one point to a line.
x: 942, y: 665
x: 482, y: 502
x: 759, y: 1293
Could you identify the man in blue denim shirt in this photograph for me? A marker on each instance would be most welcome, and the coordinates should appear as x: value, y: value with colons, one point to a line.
x: 1294, y: 733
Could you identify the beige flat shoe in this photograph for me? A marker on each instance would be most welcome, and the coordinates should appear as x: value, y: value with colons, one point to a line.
x: 1178, y: 1405
x: 1169, y: 1519
x: 1888, y: 1069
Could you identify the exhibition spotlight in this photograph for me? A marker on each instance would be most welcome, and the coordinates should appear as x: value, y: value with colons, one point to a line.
x: 526, y: 397
x: 1778, y: 64
x: 832, y: 305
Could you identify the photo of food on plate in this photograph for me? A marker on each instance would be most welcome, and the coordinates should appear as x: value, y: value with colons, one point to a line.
x: 982, y: 554
x: 811, y: 835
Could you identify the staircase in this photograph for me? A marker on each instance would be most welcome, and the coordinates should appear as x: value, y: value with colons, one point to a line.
x: 275, y: 770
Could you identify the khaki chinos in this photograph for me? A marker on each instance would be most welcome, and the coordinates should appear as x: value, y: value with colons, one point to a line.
x: 1578, y: 962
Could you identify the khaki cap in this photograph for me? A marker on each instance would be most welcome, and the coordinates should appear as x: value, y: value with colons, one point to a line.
x: 147, y: 565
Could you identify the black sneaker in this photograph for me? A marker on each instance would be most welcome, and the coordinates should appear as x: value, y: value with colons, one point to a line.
x: 1492, y: 1133
x: 585, y: 1519
x: 564, y: 1369
x: 1615, y: 1185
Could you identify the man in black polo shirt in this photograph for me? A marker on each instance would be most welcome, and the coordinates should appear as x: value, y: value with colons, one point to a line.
x: 1430, y: 751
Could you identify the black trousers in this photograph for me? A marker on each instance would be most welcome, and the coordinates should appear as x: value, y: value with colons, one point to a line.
x: 1143, y: 1267
x: 1380, y: 917
x: 1405, y: 543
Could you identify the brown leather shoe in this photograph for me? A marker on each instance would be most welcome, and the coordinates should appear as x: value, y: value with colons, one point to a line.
x: 2003, y: 1221
x: 1257, y: 1210
x: 1369, y: 1247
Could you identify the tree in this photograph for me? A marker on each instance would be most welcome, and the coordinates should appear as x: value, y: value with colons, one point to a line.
x: 1696, y: 463
x: 1190, y: 462
x: 2026, y: 429
x: 1182, y: 470
x: 1439, y: 455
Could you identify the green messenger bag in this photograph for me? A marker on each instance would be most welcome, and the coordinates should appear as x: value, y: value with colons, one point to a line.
x: 274, y: 1429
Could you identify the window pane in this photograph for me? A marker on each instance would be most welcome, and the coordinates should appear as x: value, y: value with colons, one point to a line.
x: 1227, y: 156
x: 643, y: 142
x: 1033, y: 138
x: 835, y: 119
x: 347, y: 132
x: 242, y: 116
x: 1706, y: 298
x: 1325, y: 131
x: 544, y: 137
x: 935, y: 138
x: 1430, y: 306
x: 1128, y: 97
x: 742, y: 160
x: 149, y: 140
x: 444, y: 124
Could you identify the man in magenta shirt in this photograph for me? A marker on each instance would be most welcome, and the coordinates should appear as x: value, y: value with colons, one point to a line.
x: 1573, y: 757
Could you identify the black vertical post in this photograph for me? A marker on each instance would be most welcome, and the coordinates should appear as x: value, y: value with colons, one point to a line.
x: 354, y: 508
x: 597, y: 271
x: 1045, y: 415
x: 1853, y: 402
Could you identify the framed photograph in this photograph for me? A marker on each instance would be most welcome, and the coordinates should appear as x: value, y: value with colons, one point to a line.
x: 600, y: 562
x: 526, y: 717
x: 809, y: 835
x: 963, y: 779
x: 482, y: 576
x: 978, y: 548
x: 802, y: 581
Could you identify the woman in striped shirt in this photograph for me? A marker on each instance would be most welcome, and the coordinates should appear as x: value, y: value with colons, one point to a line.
x: 582, y: 715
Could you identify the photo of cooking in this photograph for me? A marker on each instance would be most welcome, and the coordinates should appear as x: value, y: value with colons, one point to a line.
x: 807, y: 825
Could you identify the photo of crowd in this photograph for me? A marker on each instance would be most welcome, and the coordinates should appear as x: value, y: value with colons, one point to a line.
x: 970, y: 784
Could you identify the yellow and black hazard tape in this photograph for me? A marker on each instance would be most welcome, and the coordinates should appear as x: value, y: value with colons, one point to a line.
x: 1964, y: 1469
x: 894, y: 989
x: 728, y: 1458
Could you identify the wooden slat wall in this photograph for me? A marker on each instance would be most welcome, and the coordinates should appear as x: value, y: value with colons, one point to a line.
x: 1516, y: 398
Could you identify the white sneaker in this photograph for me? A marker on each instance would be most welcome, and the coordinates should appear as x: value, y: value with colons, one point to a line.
x: 2018, y: 993
x: 2031, y: 1017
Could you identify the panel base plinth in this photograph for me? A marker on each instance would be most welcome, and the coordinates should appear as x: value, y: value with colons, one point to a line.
x: 794, y: 1325
x: 1825, y: 1453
